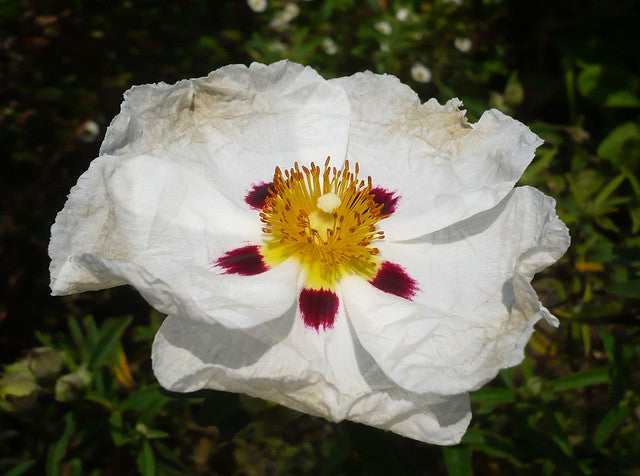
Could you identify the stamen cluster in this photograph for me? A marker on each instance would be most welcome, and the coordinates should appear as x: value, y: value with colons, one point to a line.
x: 324, y: 217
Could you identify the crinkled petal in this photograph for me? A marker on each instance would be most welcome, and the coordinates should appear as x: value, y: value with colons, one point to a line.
x: 321, y: 373
x: 235, y: 125
x: 156, y: 225
x: 475, y: 308
x: 443, y: 169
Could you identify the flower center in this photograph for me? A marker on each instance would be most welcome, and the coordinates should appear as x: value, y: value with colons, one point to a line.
x: 325, y: 218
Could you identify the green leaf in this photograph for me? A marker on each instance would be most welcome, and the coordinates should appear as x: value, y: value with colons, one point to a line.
x: 146, y: 460
x: 609, y: 189
x: 58, y: 450
x: 628, y: 289
x: 491, y: 397
x: 92, y: 330
x: 585, y: 378
x: 493, y: 445
x: 608, y: 85
x: 620, y: 145
x: 622, y: 98
x: 457, y: 459
x: 20, y: 468
x: 100, y: 400
x: 116, y: 428
x: 78, y: 338
x: 148, y: 401
x: 608, y: 424
x: 108, y: 341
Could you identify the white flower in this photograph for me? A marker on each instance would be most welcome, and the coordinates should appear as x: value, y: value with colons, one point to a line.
x: 379, y: 286
x: 258, y: 6
x: 384, y: 27
x: 329, y: 46
x: 402, y: 14
x: 88, y: 131
x: 283, y: 17
x: 463, y: 44
x: 420, y: 73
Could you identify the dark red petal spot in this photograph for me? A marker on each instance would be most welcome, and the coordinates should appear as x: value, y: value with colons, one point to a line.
x: 387, y: 198
x: 258, y: 194
x: 246, y: 261
x: 318, y: 307
x: 393, y: 279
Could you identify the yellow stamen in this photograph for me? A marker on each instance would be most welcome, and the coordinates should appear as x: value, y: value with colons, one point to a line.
x: 326, y: 219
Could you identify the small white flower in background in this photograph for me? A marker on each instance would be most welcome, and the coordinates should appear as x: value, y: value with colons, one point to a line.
x: 329, y: 46
x: 378, y: 285
x: 463, y: 44
x: 420, y: 73
x: 290, y: 11
x: 258, y: 6
x: 384, y: 47
x: 282, y: 18
x: 402, y: 14
x: 384, y: 27
x: 88, y: 131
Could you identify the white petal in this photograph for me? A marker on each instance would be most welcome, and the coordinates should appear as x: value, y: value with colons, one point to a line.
x: 321, y: 373
x: 158, y: 226
x: 475, y: 309
x: 443, y: 169
x: 237, y: 124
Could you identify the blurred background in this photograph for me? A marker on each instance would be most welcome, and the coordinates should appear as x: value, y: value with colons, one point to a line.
x: 77, y: 395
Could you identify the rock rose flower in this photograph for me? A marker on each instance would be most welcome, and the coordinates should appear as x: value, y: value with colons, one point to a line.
x: 334, y: 246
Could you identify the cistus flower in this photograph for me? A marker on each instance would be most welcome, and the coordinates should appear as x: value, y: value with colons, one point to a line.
x: 335, y: 246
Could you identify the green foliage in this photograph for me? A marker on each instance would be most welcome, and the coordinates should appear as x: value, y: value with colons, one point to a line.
x: 77, y: 394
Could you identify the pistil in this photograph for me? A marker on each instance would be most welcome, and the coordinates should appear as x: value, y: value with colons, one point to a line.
x: 325, y: 218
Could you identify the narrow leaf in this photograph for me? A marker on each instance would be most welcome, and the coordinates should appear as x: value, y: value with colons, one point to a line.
x: 611, y: 420
x: 146, y: 460
x: 593, y: 376
x: 20, y: 468
x: 457, y: 460
x: 58, y: 450
x: 107, y: 344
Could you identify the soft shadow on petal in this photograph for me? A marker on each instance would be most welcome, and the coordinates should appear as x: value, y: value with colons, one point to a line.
x: 233, y: 301
x: 444, y: 170
x: 429, y: 417
x: 154, y: 224
x: 317, y: 373
x: 475, y: 309
x: 310, y: 371
x: 196, y: 344
x: 235, y: 125
x: 463, y: 267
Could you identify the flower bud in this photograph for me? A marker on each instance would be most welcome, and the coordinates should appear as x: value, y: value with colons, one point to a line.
x: 18, y: 392
x: 70, y: 387
x: 45, y: 362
